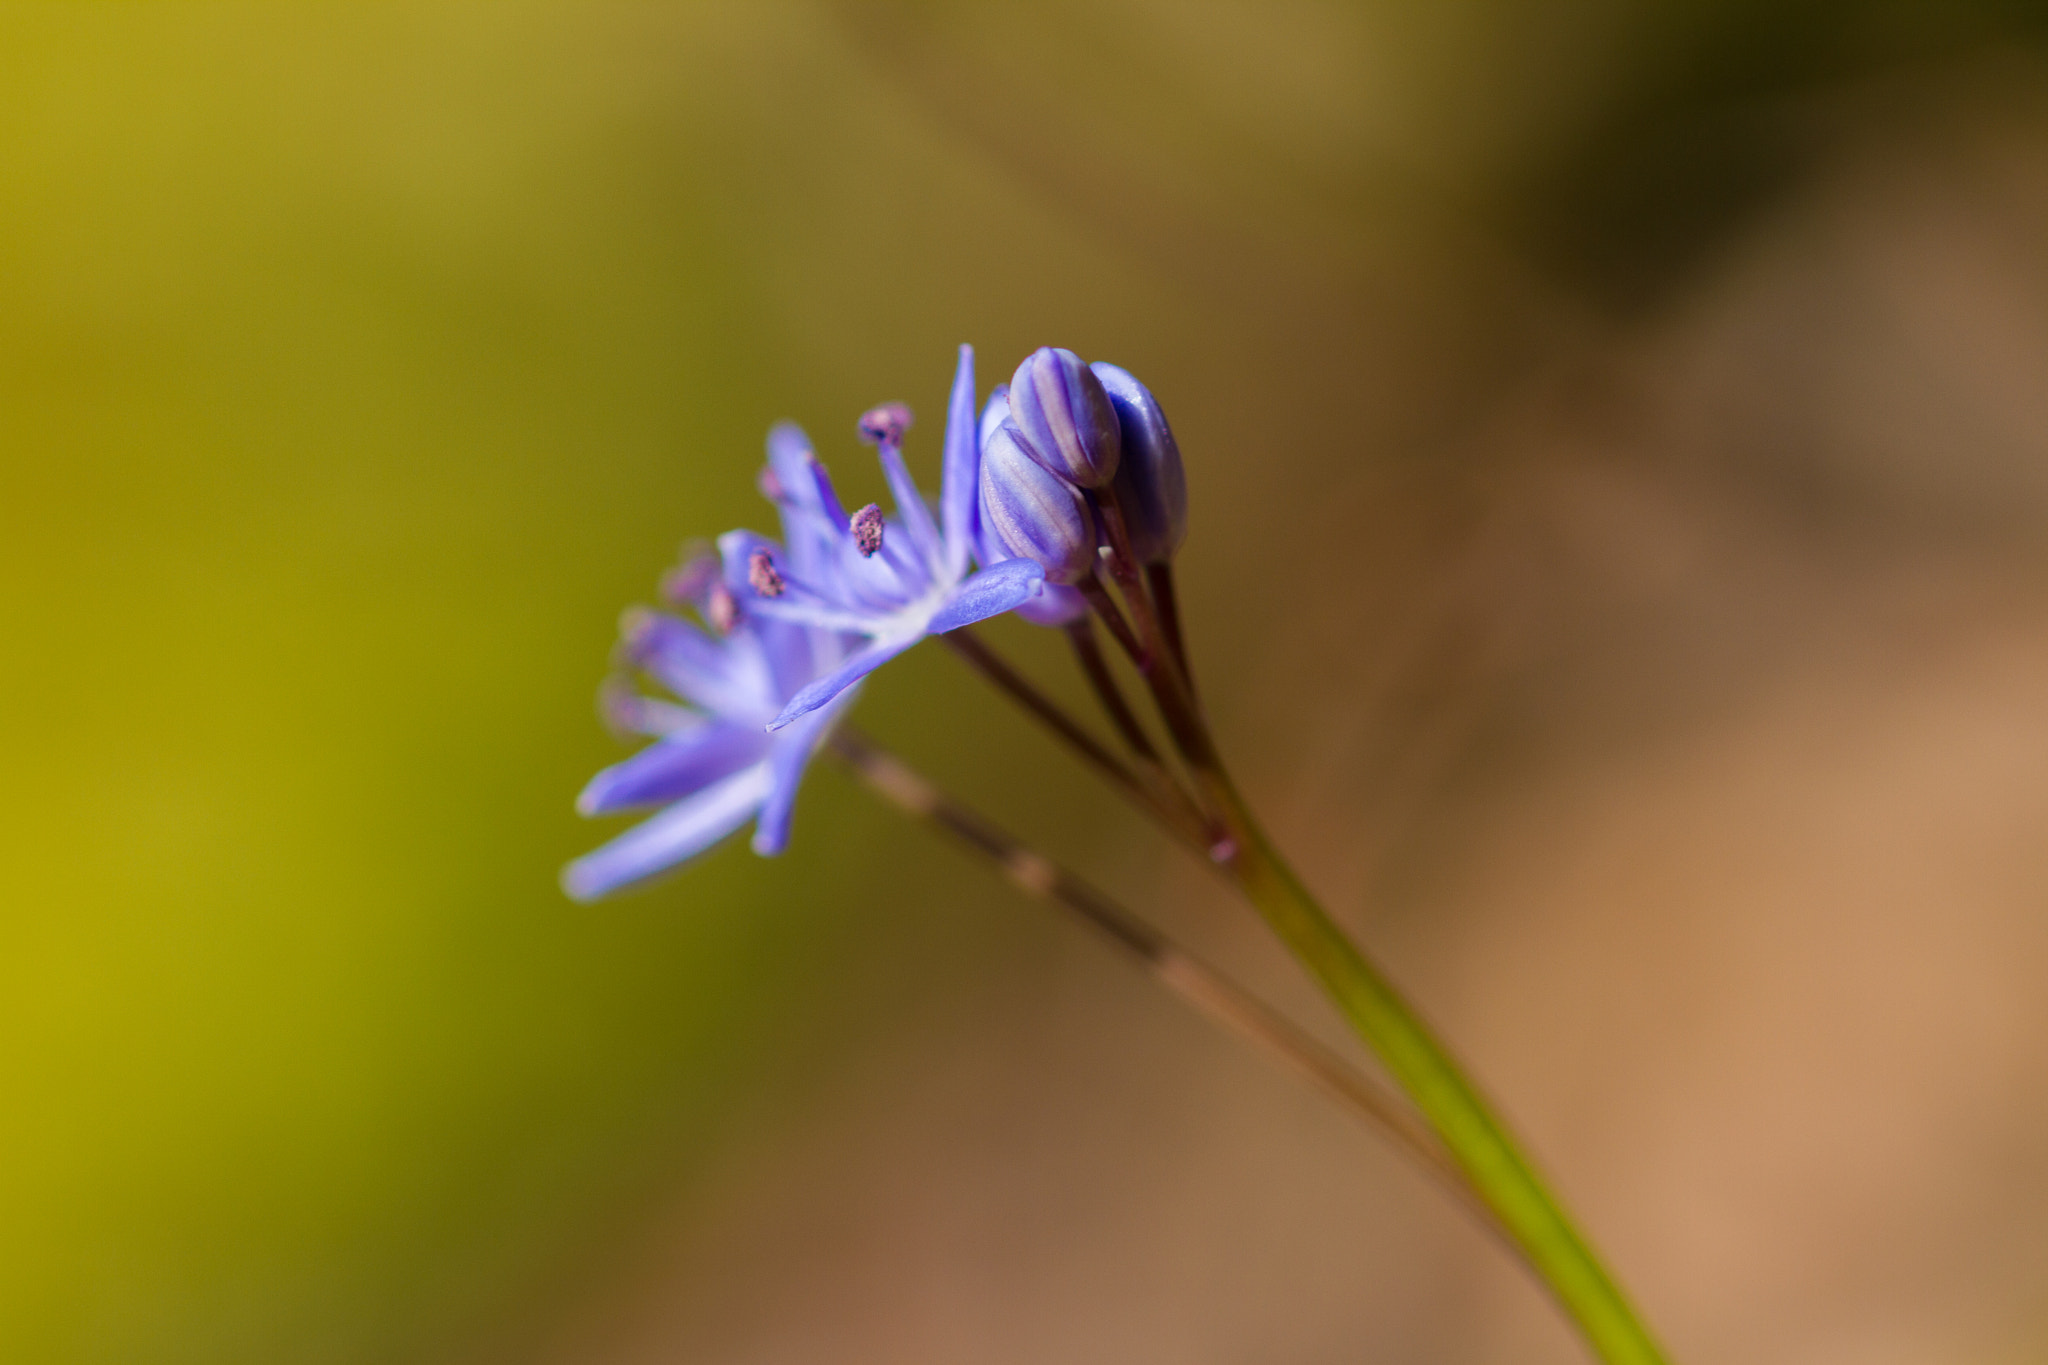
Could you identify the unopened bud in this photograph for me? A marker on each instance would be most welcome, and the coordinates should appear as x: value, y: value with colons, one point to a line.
x: 867, y: 530
x: 1150, y: 484
x: 994, y: 413
x: 1059, y: 408
x: 884, y: 425
x: 1032, y: 513
x: 762, y: 576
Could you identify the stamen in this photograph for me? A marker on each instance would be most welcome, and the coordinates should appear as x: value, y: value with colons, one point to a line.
x: 762, y: 576
x: 722, y: 609
x: 884, y: 425
x: 770, y: 484
x: 627, y: 713
x: 867, y: 530
x: 690, y: 580
x: 637, y: 627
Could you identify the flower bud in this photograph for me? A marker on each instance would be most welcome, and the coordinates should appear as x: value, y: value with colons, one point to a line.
x: 994, y: 413
x: 1032, y: 513
x: 1150, y: 485
x: 1064, y: 417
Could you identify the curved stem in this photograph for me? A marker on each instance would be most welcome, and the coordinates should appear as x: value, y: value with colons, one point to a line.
x: 1477, y: 1138
x: 1166, y: 601
x: 1156, y: 793
x: 1081, y: 634
x: 1199, y: 985
x: 1492, y: 1168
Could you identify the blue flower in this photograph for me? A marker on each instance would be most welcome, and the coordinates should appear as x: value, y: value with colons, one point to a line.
x: 714, y: 765
x: 886, y: 582
x: 794, y: 627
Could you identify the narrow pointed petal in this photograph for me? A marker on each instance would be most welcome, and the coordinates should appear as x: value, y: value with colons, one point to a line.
x: 674, y: 836
x: 722, y: 676
x: 959, y: 479
x: 803, y: 495
x: 911, y: 511
x: 790, y: 456
x: 987, y: 549
x: 791, y: 653
x: 673, y: 768
x: 794, y: 748
x: 841, y: 678
x: 819, y: 615
x: 991, y: 592
x: 627, y: 711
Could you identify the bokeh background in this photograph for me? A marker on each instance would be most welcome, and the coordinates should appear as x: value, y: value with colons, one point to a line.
x: 1618, y: 436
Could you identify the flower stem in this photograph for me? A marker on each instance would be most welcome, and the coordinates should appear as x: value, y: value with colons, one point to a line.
x: 1166, y: 601
x: 1478, y: 1140
x: 1487, y: 1156
x: 1199, y: 985
x: 1154, y: 791
x: 1096, y: 668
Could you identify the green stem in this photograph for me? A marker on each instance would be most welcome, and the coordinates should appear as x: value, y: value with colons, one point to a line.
x: 1477, y: 1139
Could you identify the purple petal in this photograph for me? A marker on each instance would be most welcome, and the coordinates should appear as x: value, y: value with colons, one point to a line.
x: 1030, y: 512
x: 841, y: 678
x: 1150, y: 482
x: 989, y: 593
x: 1056, y: 606
x: 1065, y: 417
x: 790, y: 651
x: 809, y: 611
x: 673, y: 768
x: 958, y: 481
x: 674, y: 836
x: 804, y: 497
x: 789, y: 455
x: 793, y: 750
x: 722, y: 676
x: 911, y: 511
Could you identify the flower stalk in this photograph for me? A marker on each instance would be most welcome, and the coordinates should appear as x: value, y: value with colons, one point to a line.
x: 1069, y: 481
x: 1195, y: 982
x: 1479, y: 1141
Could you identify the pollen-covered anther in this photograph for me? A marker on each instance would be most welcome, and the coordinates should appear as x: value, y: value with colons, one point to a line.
x: 762, y: 576
x: 722, y: 609
x: 866, y: 526
x: 690, y: 580
x: 884, y: 425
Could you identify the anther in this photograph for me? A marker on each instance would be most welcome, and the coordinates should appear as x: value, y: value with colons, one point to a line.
x: 867, y: 530
x: 722, y: 609
x: 761, y: 575
x: 884, y: 425
x: 770, y: 484
x: 691, y: 579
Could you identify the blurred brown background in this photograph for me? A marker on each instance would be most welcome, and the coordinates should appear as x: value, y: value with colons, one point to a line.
x: 1618, y: 444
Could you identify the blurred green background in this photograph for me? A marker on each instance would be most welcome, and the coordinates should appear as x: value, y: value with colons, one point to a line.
x: 359, y: 363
